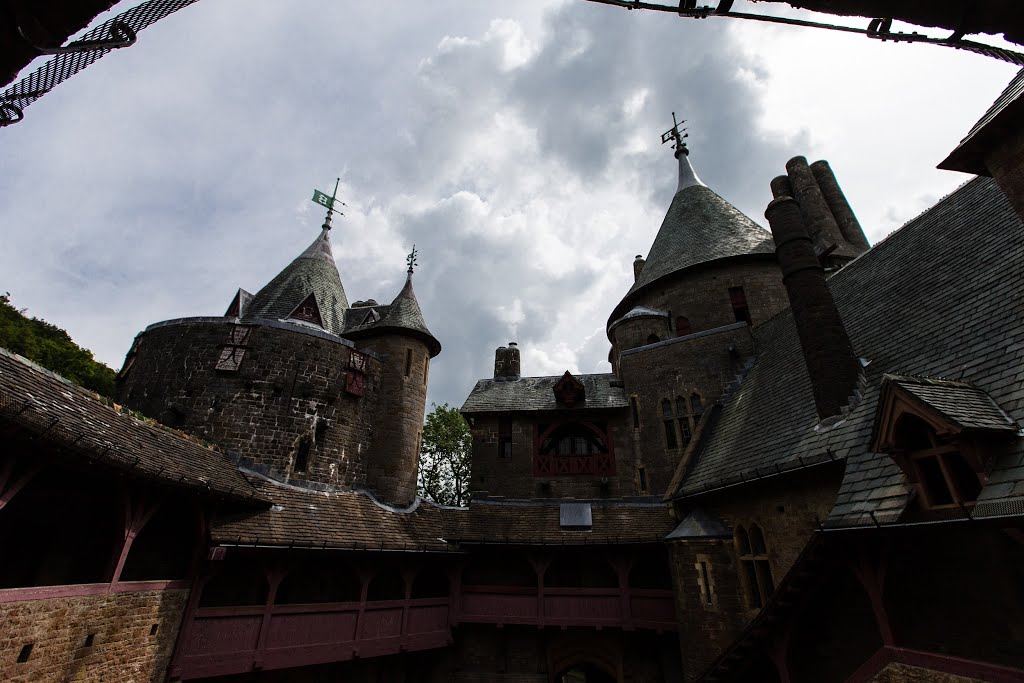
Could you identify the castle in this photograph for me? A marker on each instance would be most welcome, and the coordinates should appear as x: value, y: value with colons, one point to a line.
x: 806, y: 464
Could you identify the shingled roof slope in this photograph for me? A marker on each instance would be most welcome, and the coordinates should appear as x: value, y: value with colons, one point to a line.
x: 538, y: 522
x: 537, y: 393
x: 343, y: 519
x: 943, y: 296
x: 1002, y: 118
x: 314, y: 271
x: 700, y: 227
x: 81, y: 424
x: 403, y: 315
x: 961, y: 402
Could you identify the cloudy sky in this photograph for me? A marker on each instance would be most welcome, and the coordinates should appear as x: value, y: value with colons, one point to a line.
x: 516, y: 144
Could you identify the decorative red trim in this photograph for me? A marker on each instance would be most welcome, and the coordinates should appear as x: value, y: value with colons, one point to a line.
x: 86, y: 589
x: 991, y: 673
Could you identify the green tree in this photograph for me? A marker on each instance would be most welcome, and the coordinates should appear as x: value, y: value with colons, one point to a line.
x: 52, y: 347
x: 444, y: 474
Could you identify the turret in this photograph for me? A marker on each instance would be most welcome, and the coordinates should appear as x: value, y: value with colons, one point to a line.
x: 398, y: 334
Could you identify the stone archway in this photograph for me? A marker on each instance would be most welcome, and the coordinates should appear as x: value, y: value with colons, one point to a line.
x: 574, y: 658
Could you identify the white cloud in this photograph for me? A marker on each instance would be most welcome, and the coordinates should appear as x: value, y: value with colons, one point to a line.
x: 516, y: 145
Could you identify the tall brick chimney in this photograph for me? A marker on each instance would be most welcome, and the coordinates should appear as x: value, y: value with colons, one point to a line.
x: 506, y: 361
x: 831, y: 363
x: 822, y: 225
x: 500, y: 361
x: 840, y: 208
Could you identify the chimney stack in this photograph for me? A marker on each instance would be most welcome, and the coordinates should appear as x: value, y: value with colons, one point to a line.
x: 500, y: 361
x: 822, y: 225
x: 512, y: 364
x: 781, y: 187
x: 831, y: 363
x: 849, y: 226
x: 506, y: 361
x: 638, y: 265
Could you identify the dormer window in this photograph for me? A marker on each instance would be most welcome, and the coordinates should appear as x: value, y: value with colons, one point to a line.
x: 943, y: 477
x: 937, y: 431
x: 308, y: 311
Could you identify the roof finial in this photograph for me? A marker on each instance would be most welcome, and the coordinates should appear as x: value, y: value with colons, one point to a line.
x: 676, y: 135
x: 411, y: 260
x: 322, y: 199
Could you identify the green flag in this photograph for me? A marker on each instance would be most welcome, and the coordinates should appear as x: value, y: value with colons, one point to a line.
x: 320, y: 198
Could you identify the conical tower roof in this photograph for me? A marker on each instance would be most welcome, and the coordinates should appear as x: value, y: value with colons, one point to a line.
x: 403, y: 316
x: 314, y: 273
x: 700, y: 227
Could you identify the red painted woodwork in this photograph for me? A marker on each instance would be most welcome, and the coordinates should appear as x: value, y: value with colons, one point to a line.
x: 555, y: 465
x: 646, y: 608
x: 225, y: 640
x: 601, y: 465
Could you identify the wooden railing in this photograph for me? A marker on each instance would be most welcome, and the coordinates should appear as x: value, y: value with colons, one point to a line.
x: 226, y: 640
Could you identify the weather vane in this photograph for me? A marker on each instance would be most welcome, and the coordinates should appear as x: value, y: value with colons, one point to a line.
x: 322, y: 199
x: 411, y: 259
x: 676, y: 135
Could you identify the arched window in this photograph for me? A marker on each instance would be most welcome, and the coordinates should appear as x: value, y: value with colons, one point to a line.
x: 696, y: 405
x: 573, y: 438
x: 755, y: 568
x: 682, y: 325
x: 670, y: 425
x: 684, y: 420
x: 653, y: 339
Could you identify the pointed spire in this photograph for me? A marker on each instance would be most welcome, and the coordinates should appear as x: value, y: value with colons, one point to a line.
x: 699, y: 227
x: 403, y: 316
x: 687, y: 177
x: 313, y: 273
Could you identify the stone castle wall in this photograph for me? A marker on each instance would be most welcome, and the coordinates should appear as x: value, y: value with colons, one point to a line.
x: 288, y: 387
x: 786, y: 511
x: 133, y: 637
x: 676, y: 370
x: 702, y: 296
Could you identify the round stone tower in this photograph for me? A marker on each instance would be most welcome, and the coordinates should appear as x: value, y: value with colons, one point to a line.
x: 273, y: 381
x: 399, y: 336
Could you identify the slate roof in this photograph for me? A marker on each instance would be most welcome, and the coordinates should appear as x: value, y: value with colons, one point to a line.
x: 960, y: 402
x: 1003, y: 117
x: 402, y: 315
x: 536, y: 393
x: 639, y: 312
x: 700, y: 523
x: 943, y: 296
x: 699, y: 227
x: 531, y: 522
x: 313, y: 271
x: 82, y: 425
x: 343, y: 519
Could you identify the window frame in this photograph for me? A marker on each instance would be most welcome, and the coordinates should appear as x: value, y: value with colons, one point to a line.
x: 755, y: 567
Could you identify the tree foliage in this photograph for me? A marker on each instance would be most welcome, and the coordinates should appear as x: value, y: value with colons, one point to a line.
x: 53, y: 348
x: 444, y: 474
